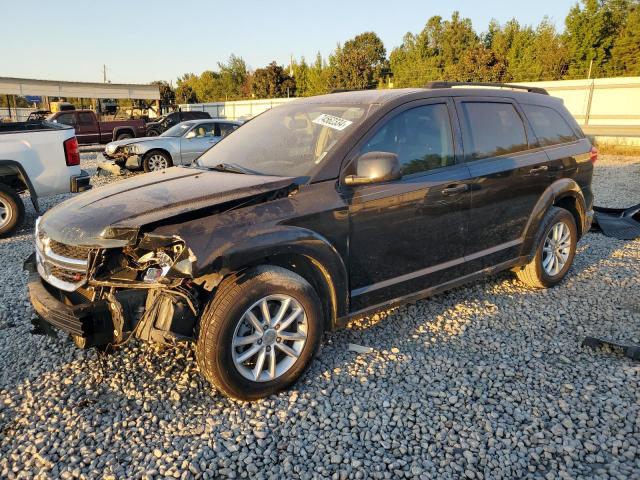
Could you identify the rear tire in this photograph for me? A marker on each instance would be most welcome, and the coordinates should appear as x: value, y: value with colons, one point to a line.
x: 153, y: 133
x: 234, y: 324
x: 156, y: 160
x: 124, y: 136
x: 555, y: 247
x: 11, y: 210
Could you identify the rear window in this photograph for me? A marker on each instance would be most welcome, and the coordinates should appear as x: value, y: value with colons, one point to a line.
x: 492, y: 129
x: 548, y: 125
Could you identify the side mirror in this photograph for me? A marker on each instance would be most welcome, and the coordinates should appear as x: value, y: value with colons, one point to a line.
x: 375, y: 167
x: 191, y: 134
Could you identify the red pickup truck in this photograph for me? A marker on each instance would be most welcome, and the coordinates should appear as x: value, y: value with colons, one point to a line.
x: 90, y: 130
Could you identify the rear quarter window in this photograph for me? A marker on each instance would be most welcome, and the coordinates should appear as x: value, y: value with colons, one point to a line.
x: 548, y: 125
x: 492, y: 129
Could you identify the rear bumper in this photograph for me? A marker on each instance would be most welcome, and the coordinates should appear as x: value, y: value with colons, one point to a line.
x: 80, y: 183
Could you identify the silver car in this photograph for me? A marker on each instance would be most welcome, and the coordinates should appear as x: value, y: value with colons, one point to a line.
x: 180, y: 145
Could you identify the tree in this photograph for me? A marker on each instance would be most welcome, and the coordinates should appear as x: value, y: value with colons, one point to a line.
x: 434, y: 53
x: 272, y: 81
x: 530, y: 54
x: 167, y: 94
x: 626, y: 49
x: 186, y: 94
x: 317, y: 77
x: 479, y: 64
x: 301, y: 77
x: 590, y: 34
x: 360, y: 64
x: 232, y: 77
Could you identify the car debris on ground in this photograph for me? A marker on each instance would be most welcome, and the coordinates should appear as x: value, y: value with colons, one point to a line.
x: 620, y: 223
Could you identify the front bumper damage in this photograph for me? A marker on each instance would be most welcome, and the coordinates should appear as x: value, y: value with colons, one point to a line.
x: 99, y: 299
x: 90, y: 323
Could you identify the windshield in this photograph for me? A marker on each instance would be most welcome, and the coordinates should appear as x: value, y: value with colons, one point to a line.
x: 178, y: 130
x: 289, y: 140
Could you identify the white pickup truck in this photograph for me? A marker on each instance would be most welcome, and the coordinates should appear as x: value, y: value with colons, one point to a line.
x: 40, y: 158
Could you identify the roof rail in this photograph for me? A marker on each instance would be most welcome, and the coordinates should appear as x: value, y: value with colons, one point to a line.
x: 441, y: 84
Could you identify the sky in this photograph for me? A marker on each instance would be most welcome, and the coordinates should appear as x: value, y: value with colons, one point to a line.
x: 140, y: 40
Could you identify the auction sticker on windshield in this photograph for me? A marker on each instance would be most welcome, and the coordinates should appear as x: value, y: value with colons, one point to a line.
x: 330, y: 121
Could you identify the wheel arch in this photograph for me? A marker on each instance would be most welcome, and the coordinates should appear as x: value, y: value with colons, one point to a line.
x: 119, y: 130
x: 564, y: 193
x: 300, y: 250
x: 18, y: 171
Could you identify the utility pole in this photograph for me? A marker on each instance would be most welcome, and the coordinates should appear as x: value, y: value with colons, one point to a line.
x: 104, y: 73
x: 590, y: 66
x: 291, y: 65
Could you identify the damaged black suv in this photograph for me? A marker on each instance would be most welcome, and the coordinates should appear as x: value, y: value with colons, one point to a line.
x: 314, y: 212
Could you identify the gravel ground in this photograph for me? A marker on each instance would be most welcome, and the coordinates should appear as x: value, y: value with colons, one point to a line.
x: 485, y: 381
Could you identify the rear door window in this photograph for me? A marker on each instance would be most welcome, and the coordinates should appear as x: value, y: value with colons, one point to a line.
x: 492, y: 129
x: 548, y: 125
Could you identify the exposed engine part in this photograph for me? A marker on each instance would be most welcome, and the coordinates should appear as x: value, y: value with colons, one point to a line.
x: 170, y: 316
x: 117, y: 315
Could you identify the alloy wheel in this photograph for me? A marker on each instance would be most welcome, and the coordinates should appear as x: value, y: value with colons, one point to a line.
x: 556, y: 249
x: 269, y: 338
x: 5, y: 213
x: 157, y: 162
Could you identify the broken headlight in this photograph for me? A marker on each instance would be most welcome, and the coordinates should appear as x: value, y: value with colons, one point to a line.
x: 159, y: 257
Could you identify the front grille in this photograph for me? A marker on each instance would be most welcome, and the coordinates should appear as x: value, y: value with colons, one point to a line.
x: 63, y: 266
x: 70, y: 251
x: 69, y: 276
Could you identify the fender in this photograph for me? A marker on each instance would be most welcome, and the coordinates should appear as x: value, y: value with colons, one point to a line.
x: 562, y: 188
x: 22, y: 174
x: 287, y: 241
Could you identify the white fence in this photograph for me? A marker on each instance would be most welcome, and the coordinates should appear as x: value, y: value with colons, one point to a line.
x: 603, y: 106
x: 239, y: 110
x: 16, y: 114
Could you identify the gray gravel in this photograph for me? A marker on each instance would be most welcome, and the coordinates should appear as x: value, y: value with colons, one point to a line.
x: 486, y: 381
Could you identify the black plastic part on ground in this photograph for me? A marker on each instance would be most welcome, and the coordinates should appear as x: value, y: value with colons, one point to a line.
x: 631, y: 351
x: 620, y: 223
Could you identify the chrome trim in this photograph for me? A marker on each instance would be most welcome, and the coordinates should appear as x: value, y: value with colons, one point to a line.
x: 45, y: 256
x: 434, y: 268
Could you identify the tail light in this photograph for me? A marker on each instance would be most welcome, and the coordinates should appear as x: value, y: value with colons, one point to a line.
x: 593, y: 155
x: 71, y: 152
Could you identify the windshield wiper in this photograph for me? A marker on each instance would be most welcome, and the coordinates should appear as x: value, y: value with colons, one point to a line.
x: 230, y: 167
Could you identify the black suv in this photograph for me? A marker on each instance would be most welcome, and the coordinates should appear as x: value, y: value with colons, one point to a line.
x: 165, y: 123
x: 315, y: 212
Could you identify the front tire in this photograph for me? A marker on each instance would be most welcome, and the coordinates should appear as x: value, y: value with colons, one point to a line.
x: 555, y: 249
x: 155, y: 161
x: 11, y: 210
x: 259, y: 333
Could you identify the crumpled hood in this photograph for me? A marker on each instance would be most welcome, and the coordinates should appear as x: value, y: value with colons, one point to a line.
x: 112, y: 215
x: 131, y: 141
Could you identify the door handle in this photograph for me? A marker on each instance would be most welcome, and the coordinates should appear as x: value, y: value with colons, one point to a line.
x: 455, y: 189
x: 540, y: 169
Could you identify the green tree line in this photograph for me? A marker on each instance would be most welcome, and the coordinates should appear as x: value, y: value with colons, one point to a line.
x: 601, y: 38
